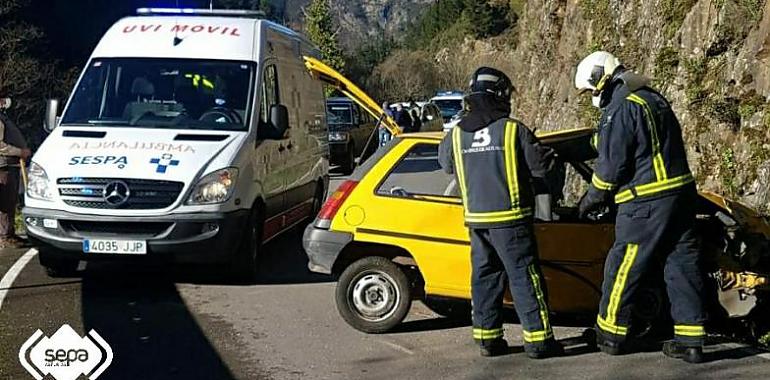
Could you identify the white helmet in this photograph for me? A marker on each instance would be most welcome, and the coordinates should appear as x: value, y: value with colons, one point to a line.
x: 593, y: 73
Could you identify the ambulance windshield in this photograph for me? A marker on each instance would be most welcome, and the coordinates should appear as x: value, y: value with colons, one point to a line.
x: 164, y: 93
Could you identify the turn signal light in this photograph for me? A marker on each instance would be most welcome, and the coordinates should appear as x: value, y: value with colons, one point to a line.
x: 335, y: 201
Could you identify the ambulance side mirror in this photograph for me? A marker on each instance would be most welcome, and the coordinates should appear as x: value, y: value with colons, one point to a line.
x: 51, y: 115
x: 279, y: 118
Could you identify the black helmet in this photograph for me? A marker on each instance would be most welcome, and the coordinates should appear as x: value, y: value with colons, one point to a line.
x: 491, y: 81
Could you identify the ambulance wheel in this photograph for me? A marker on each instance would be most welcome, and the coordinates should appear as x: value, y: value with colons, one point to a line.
x: 245, y: 262
x: 373, y: 295
x: 55, y: 265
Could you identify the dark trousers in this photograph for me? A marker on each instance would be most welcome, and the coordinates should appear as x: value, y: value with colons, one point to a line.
x: 659, y: 231
x: 507, y: 254
x: 9, y: 200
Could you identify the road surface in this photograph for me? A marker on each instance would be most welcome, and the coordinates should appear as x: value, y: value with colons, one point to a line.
x: 185, y: 324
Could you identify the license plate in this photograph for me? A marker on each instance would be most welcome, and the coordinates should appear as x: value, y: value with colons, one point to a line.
x: 115, y: 247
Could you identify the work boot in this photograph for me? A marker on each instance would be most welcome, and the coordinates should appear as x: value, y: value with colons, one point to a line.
x: 550, y: 349
x: 675, y: 350
x: 494, y: 347
x: 609, y: 346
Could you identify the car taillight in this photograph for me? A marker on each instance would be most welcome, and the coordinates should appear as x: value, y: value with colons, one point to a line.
x: 336, y: 200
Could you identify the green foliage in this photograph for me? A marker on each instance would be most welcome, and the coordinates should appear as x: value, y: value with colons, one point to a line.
x: 320, y: 28
x: 360, y: 64
x: 674, y: 13
x: 753, y: 8
x: 696, y: 70
x: 485, y: 19
x: 750, y: 105
x: 666, y: 64
x: 271, y: 12
x: 727, y: 172
x: 449, y: 21
x: 518, y: 7
x: 764, y: 341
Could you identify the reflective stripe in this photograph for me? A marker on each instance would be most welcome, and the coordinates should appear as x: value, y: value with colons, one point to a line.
x: 611, y: 327
x: 501, y: 216
x: 510, y: 163
x: 536, y: 336
x: 595, y: 141
x: 601, y: 184
x: 515, y: 213
x: 654, y: 188
x: 541, y: 302
x: 689, y: 330
x: 484, y: 334
x: 620, y: 284
x: 459, y: 168
x: 657, y: 156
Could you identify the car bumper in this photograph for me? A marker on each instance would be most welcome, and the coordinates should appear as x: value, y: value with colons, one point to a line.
x: 182, y: 238
x: 323, y: 247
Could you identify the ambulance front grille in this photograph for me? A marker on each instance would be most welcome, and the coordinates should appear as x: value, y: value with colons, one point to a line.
x: 142, y: 195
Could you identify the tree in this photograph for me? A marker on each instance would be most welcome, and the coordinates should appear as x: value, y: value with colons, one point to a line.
x: 28, y: 74
x: 320, y: 28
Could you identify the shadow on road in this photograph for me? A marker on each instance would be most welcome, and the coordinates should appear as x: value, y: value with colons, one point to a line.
x: 147, y: 324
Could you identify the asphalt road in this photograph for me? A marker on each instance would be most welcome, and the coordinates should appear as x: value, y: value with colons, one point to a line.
x: 184, y: 324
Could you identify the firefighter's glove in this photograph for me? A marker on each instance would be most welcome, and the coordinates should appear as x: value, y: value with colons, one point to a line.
x: 590, y: 202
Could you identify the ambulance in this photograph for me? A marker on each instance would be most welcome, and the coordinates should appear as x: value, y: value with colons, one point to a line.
x: 192, y: 136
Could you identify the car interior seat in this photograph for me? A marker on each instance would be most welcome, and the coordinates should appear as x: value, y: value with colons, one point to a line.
x: 143, y: 92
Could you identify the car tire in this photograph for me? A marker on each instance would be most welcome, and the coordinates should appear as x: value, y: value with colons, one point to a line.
x: 373, y: 295
x: 55, y: 265
x: 350, y: 162
x: 457, y: 310
x: 244, y: 265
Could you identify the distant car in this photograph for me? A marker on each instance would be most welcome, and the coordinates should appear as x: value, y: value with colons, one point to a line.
x: 395, y: 232
x: 450, y: 103
x: 349, y: 130
x: 432, y: 121
x: 430, y: 115
x: 453, y: 121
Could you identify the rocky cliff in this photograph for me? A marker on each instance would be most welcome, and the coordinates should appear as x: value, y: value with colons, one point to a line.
x: 362, y: 21
x: 710, y: 57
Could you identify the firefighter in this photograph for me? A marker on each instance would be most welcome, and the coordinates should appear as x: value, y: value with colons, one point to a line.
x: 642, y: 167
x: 495, y: 159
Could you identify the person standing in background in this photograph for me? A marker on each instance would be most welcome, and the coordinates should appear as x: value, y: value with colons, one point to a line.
x: 13, y: 149
x: 383, y: 132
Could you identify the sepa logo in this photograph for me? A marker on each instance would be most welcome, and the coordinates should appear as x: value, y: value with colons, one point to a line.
x: 65, y: 355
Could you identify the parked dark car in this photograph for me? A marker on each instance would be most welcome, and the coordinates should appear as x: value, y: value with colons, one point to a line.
x: 349, y: 130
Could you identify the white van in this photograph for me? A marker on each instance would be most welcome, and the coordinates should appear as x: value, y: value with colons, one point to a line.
x: 192, y: 136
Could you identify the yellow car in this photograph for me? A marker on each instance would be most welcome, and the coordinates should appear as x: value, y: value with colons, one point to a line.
x: 394, y: 233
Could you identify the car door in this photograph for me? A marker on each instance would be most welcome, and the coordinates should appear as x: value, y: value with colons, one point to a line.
x: 416, y: 208
x: 270, y: 162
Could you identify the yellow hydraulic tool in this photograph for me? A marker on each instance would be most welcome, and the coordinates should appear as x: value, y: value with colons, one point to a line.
x: 328, y: 75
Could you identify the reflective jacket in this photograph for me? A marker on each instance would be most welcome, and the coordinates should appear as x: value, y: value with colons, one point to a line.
x: 494, y: 167
x: 641, y: 151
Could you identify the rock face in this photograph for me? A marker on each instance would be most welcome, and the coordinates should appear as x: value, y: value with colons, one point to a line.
x: 364, y: 21
x: 711, y: 58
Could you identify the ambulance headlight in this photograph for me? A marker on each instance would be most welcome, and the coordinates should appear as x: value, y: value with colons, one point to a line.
x: 216, y: 187
x: 38, y: 186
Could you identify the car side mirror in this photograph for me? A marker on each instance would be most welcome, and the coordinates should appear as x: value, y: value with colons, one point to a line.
x: 279, y: 120
x: 51, y: 115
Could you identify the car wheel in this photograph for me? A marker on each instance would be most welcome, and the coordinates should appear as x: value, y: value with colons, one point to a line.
x: 373, y: 295
x: 244, y: 265
x: 453, y: 309
x: 55, y: 265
